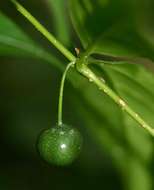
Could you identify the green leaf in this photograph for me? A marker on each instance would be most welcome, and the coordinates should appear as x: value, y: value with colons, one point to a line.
x: 86, y: 15
x: 134, y: 84
x: 97, y: 111
x: 14, y: 42
x: 110, y: 27
x: 12, y: 39
x: 145, y: 16
x: 137, y: 91
x: 61, y: 25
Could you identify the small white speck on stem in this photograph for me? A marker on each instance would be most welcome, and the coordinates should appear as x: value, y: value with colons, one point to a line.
x: 143, y: 125
x: 105, y: 91
x: 122, y: 103
x: 136, y: 115
x: 102, y: 79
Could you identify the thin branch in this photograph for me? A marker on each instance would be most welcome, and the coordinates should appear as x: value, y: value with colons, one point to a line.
x: 44, y: 31
x: 84, y: 70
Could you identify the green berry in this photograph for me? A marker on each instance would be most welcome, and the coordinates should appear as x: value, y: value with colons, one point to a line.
x: 60, y: 145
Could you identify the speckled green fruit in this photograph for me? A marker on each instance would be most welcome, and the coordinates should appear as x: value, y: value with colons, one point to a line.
x: 60, y: 145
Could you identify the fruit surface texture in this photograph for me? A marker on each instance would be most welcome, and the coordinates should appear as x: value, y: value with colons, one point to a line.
x: 60, y: 145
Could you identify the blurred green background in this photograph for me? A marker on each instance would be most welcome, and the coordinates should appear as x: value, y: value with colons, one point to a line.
x: 113, y: 156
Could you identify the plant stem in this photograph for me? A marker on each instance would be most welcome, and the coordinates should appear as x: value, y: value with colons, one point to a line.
x: 60, y: 104
x: 81, y: 65
x: 44, y: 31
x: 124, y: 106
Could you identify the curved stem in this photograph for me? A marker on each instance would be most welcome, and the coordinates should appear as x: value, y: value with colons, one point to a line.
x: 60, y: 104
x: 44, y: 31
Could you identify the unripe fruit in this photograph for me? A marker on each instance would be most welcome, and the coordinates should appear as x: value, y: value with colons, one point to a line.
x: 60, y: 145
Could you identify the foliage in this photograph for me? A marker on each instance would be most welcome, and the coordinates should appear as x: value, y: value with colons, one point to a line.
x: 119, y: 29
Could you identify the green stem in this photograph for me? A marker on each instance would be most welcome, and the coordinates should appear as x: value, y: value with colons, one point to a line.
x: 81, y: 65
x: 60, y: 104
x: 103, y: 87
x: 44, y: 31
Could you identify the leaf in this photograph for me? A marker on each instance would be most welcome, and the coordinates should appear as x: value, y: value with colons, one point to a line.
x: 14, y: 42
x: 110, y: 27
x: 11, y: 37
x: 137, y: 93
x: 97, y: 111
x: 145, y: 18
x: 23, y: 39
x: 58, y: 9
x: 120, y: 20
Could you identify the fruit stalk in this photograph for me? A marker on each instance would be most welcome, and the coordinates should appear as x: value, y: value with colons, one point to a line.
x: 60, y: 104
